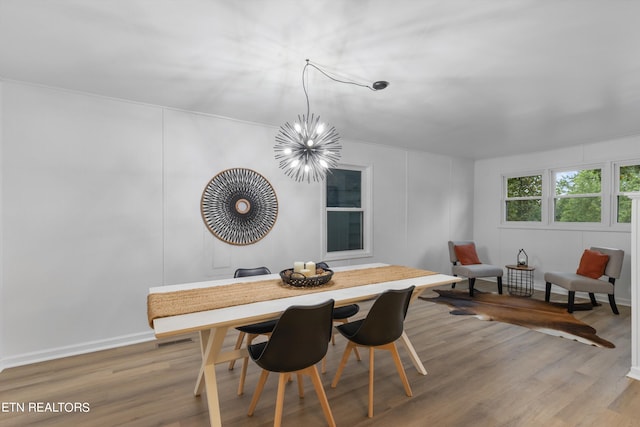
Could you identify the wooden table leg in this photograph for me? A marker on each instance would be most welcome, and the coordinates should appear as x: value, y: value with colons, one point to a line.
x: 211, y: 344
x: 412, y: 353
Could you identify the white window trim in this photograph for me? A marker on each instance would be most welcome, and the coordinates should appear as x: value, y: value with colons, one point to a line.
x: 505, y: 199
x: 615, y: 192
x: 367, y: 208
x: 609, y: 192
x: 604, y: 200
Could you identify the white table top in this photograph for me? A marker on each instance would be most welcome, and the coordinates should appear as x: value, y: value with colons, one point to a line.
x: 255, y: 312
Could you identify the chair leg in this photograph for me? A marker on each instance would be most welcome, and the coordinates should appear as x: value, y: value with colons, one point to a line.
x: 317, y: 384
x: 245, y: 365
x: 472, y: 283
x: 282, y: 382
x: 343, y: 362
x: 572, y: 297
x: 403, y: 375
x: 237, y: 347
x: 300, y: 386
x: 594, y: 302
x: 258, y: 392
x: 371, y: 352
x: 612, y: 303
x: 500, y: 285
x: 547, y: 292
x: 453, y: 285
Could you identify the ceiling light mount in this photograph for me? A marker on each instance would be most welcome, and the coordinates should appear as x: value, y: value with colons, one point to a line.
x: 308, y: 148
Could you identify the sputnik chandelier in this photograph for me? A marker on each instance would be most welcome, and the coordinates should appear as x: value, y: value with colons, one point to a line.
x: 309, y: 148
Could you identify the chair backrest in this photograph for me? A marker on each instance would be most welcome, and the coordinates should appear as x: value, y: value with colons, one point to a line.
x: 452, y: 253
x: 385, y: 321
x: 614, y: 265
x: 300, y: 339
x: 246, y: 272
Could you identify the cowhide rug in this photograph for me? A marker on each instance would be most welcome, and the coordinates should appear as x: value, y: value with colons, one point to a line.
x: 539, y: 315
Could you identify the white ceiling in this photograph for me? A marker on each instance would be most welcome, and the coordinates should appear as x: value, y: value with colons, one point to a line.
x: 468, y: 77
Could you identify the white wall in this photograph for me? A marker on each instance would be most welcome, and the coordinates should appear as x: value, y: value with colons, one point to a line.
x: 100, y: 201
x: 548, y: 249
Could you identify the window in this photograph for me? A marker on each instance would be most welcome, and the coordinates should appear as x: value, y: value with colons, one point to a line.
x: 627, y: 181
x: 578, y: 196
x: 523, y: 200
x: 347, y: 222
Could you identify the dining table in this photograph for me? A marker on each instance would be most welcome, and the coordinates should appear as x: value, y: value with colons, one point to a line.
x: 212, y: 308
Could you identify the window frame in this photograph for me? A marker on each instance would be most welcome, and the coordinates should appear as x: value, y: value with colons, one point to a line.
x: 604, y: 203
x: 615, y: 192
x: 610, y: 173
x: 506, y: 198
x: 366, y: 188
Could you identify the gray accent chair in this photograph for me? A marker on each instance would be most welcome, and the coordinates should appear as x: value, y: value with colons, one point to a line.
x: 574, y: 282
x: 472, y: 271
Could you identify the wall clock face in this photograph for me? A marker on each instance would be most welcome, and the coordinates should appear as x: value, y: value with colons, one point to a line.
x: 239, y: 206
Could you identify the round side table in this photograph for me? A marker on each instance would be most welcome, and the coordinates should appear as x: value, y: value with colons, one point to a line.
x: 520, y: 280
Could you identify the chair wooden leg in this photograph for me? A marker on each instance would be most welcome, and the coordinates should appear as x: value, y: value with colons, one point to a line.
x: 594, y: 302
x: 245, y: 366
x: 547, y: 292
x: 343, y: 362
x: 282, y: 382
x: 237, y: 347
x: 256, y: 394
x: 472, y: 282
x: 371, y: 352
x: 612, y: 303
x: 403, y: 375
x: 300, y: 386
x: 500, y: 285
x: 317, y: 384
x: 572, y: 297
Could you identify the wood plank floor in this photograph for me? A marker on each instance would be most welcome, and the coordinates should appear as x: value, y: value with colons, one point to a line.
x: 480, y: 374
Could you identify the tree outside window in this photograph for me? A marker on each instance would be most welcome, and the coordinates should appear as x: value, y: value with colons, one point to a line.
x: 524, y: 198
x: 578, y: 196
x: 628, y: 182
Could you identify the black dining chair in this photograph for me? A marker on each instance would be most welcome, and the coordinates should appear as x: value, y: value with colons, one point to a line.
x: 383, y: 325
x: 250, y: 331
x: 340, y: 315
x: 299, y: 341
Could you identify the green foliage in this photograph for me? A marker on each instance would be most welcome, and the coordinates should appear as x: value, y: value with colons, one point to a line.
x: 527, y: 209
x: 629, y: 183
x: 525, y: 186
x: 578, y: 209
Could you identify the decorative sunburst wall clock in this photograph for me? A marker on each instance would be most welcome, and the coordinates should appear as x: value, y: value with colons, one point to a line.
x: 239, y: 206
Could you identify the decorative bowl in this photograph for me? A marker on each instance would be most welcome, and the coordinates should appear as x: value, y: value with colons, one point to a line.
x: 299, y: 280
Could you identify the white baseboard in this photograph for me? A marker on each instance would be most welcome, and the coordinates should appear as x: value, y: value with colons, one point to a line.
x: 73, y: 350
x: 634, y: 373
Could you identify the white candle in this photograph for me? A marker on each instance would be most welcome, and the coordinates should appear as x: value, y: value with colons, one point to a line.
x: 298, y: 266
x: 306, y: 272
x: 311, y: 266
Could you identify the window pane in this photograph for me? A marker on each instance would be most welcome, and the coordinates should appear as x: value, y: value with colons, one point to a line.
x: 524, y: 210
x: 577, y: 209
x: 525, y: 186
x: 344, y: 231
x: 586, y: 181
x: 630, y: 178
x: 344, y: 188
x: 624, y: 209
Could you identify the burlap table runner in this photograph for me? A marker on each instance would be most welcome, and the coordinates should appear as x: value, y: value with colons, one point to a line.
x: 194, y: 300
